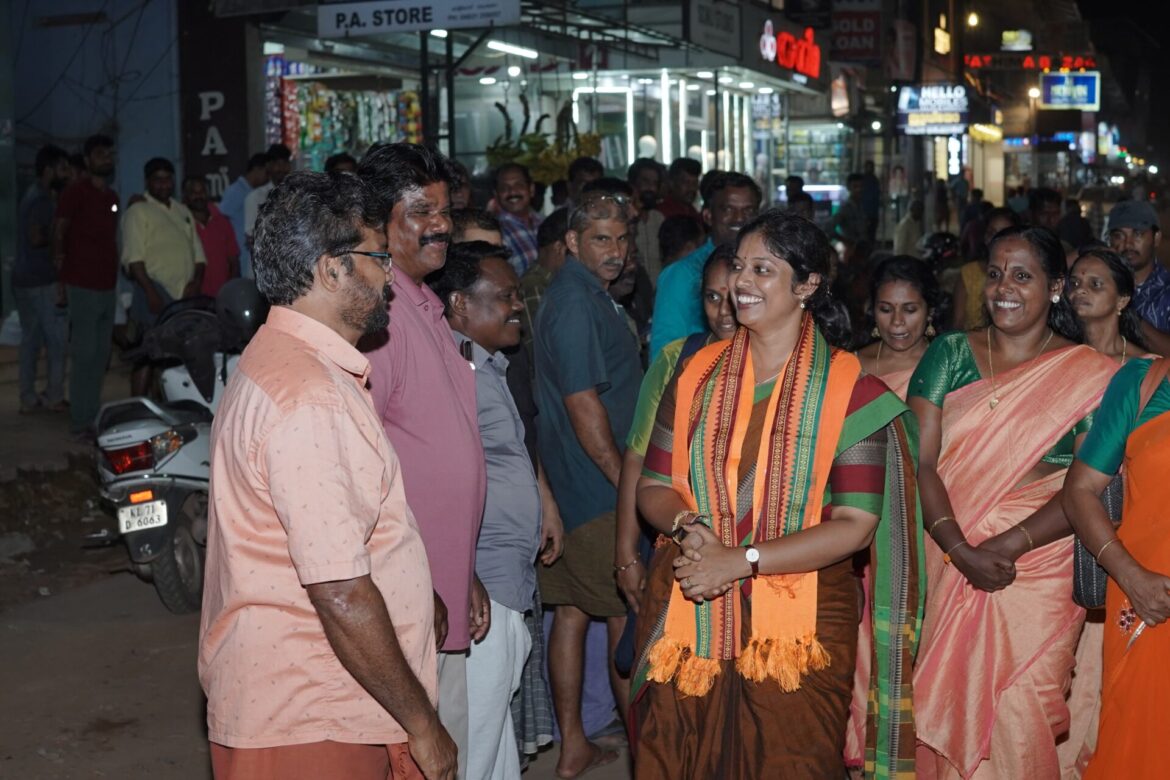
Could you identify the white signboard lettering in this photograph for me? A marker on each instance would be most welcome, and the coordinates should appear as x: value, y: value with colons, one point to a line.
x: 714, y: 25
x: 342, y: 20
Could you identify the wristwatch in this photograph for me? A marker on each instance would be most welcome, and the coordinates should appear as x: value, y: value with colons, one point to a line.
x: 753, y: 558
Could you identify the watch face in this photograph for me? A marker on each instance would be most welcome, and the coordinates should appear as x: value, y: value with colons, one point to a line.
x: 753, y: 555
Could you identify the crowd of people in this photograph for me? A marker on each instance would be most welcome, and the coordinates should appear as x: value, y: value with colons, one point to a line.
x: 488, y: 476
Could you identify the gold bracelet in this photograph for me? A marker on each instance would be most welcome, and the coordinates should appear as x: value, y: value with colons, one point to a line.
x: 935, y: 524
x: 620, y: 569
x: 678, y: 520
x: 1027, y: 536
x: 947, y: 554
x: 1102, y: 550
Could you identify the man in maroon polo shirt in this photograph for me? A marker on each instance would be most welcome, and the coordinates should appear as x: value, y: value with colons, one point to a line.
x: 215, y: 233
x: 85, y: 249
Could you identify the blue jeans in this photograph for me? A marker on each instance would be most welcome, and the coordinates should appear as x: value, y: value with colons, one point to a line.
x: 91, y: 325
x: 42, y: 325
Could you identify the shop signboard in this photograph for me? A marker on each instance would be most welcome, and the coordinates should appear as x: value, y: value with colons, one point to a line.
x: 1029, y: 61
x: 344, y: 20
x: 776, y: 47
x: 714, y: 25
x: 1075, y: 91
x: 213, y: 96
x: 857, y: 31
x: 811, y: 13
x: 933, y: 109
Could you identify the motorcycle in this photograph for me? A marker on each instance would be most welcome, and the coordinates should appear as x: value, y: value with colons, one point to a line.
x: 153, y: 457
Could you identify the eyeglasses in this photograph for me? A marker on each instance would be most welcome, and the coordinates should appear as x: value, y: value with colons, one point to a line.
x: 382, y: 257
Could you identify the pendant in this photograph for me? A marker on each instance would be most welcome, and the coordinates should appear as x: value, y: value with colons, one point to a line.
x: 994, y: 402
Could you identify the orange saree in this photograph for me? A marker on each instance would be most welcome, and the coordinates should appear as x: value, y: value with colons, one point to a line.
x: 1135, y: 697
x: 992, y: 668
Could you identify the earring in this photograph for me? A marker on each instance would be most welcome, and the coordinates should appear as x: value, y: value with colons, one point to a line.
x: 931, y: 332
x: 875, y: 332
x: 802, y: 303
x: 1056, y: 298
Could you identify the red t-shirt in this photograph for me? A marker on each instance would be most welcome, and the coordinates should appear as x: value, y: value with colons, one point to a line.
x: 219, y: 244
x: 91, y: 239
x: 670, y: 207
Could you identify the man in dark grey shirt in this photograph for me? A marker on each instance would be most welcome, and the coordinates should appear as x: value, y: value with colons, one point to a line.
x: 481, y: 298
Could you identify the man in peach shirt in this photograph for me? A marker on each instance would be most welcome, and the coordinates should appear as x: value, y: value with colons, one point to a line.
x: 317, y: 643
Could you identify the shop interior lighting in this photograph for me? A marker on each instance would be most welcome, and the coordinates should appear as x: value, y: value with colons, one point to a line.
x: 1034, y: 92
x: 972, y: 19
x: 765, y: 90
x: 705, y: 74
x: 711, y: 93
x: 487, y: 81
x: 628, y: 92
x: 726, y: 80
x: 876, y: 125
x: 746, y: 85
x: 580, y: 75
x: 840, y: 125
x: 664, y: 116
x: 513, y: 70
x: 1153, y: 169
x: 645, y: 81
x: 439, y: 33
x: 693, y: 87
x: 508, y: 48
x: 893, y: 89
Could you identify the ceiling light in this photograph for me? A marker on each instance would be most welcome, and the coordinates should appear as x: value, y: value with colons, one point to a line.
x: 893, y: 89
x: 513, y: 70
x: 692, y: 87
x: 746, y: 85
x: 1034, y: 92
x: 876, y: 125
x: 439, y: 33
x: 580, y: 75
x: 711, y: 93
x: 487, y: 81
x: 766, y: 90
x: 972, y: 19
x: 1153, y: 169
x: 705, y: 74
x: 726, y: 80
x: 508, y: 48
x: 645, y: 81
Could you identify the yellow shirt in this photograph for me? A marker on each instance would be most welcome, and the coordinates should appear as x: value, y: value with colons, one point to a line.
x: 164, y: 239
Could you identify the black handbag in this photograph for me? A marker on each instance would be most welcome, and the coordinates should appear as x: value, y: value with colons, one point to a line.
x: 1089, y: 579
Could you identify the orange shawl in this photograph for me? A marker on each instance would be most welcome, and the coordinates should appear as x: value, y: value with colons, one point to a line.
x: 803, y: 422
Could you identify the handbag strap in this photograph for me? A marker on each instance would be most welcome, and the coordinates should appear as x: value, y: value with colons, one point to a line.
x: 1157, y: 372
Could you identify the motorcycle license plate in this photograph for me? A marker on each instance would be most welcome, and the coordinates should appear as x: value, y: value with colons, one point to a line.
x: 139, y: 516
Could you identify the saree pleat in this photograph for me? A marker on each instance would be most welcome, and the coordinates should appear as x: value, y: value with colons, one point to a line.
x: 993, y: 668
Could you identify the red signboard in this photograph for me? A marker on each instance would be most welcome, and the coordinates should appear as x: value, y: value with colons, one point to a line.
x: 1029, y: 61
x: 801, y: 55
x: 857, y: 31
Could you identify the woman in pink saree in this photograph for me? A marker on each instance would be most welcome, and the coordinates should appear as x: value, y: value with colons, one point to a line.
x: 1001, y: 412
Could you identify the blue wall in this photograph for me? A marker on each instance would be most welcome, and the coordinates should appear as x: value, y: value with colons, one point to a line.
x: 118, y: 76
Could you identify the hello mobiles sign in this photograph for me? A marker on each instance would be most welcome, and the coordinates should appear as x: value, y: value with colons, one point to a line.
x: 801, y: 55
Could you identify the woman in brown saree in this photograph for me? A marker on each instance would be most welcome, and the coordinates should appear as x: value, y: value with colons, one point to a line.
x: 787, y: 462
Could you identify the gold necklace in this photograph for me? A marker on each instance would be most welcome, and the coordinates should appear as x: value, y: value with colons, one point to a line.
x: 994, y: 402
x: 1124, y: 343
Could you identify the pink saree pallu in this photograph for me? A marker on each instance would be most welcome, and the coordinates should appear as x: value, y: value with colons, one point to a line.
x: 993, y: 668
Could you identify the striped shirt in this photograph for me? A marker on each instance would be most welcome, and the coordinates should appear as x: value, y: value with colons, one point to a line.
x: 520, y: 238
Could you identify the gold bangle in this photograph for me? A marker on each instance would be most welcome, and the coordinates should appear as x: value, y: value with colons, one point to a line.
x: 678, y: 520
x: 935, y: 524
x: 1027, y: 536
x: 620, y: 569
x: 1102, y: 550
x: 947, y: 554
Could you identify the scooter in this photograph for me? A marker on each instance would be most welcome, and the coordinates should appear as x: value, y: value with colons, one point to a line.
x: 153, y: 457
